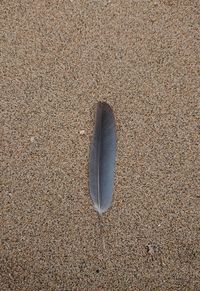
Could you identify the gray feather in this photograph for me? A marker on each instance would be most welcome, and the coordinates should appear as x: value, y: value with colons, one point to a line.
x: 102, y: 158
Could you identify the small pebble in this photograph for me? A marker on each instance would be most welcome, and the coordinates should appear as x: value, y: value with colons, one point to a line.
x: 82, y: 132
x: 9, y: 194
x: 152, y: 249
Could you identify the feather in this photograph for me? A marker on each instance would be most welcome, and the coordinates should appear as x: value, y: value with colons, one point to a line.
x: 102, y: 158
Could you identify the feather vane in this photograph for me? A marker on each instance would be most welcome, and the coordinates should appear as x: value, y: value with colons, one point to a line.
x: 102, y: 158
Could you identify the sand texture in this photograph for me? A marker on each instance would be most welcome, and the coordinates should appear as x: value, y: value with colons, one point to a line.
x: 58, y: 58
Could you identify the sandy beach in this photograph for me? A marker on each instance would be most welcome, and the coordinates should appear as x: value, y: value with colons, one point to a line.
x: 58, y: 59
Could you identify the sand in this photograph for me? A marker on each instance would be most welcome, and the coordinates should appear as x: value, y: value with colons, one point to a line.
x: 58, y: 58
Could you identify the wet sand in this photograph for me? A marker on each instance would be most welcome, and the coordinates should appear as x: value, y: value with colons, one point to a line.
x: 58, y: 59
